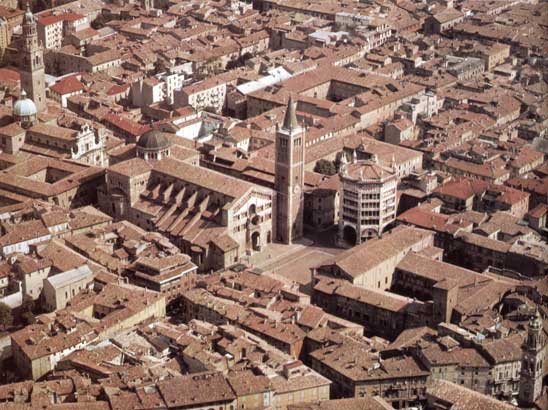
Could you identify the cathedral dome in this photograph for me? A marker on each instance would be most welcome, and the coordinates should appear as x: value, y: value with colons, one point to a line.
x: 153, y: 145
x: 24, y: 107
x: 153, y: 140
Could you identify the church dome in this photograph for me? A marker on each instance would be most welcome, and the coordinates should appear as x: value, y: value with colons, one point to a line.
x: 24, y: 107
x: 153, y: 140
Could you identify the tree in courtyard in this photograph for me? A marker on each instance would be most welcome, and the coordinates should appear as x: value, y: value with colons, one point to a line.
x: 325, y: 167
x: 27, y: 314
x: 99, y: 22
x: 6, y: 318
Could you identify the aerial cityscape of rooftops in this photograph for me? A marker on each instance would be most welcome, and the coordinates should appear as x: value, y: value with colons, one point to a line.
x: 273, y: 204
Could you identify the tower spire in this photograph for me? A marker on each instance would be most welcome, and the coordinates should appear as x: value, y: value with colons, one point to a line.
x: 533, y: 350
x: 32, y: 62
x: 290, y: 119
x: 289, y: 177
x: 29, y: 17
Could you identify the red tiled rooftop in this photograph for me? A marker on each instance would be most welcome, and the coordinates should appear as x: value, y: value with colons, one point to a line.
x: 462, y: 188
x: 9, y: 74
x: 126, y: 125
x: 67, y: 85
x: 52, y: 19
x: 539, y: 211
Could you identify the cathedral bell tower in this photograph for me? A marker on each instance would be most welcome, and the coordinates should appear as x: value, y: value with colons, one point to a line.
x: 32, y: 63
x: 289, y: 177
x: 532, y: 362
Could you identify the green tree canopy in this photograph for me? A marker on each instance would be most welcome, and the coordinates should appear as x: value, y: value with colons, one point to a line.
x: 6, y: 318
x: 325, y: 167
x: 27, y: 314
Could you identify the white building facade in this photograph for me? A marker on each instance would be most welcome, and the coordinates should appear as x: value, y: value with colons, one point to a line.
x: 368, y: 203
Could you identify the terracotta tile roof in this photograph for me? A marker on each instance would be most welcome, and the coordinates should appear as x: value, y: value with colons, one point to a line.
x: 12, y: 130
x: 246, y: 382
x: 9, y: 74
x: 437, y: 270
x: 203, y: 177
x: 436, y: 355
x: 61, y: 257
x: 73, y: 16
x: 504, y: 350
x: 54, y: 218
x: 409, y: 337
x: 462, y: 398
x: 426, y: 219
x: 118, y: 89
x: 365, y: 257
x: 196, y: 389
x: 126, y: 125
x: 311, y: 380
x: 483, y: 241
x: 51, y: 19
x: 26, y: 264
x: 358, y: 364
x: 536, y: 186
x: 368, y: 170
x: 54, y: 131
x: 539, y: 211
x: 67, y: 85
x: 86, y: 217
x: 462, y: 188
x: 281, y: 332
x: 491, y: 170
x: 131, y: 167
x: 365, y: 403
x: 24, y: 232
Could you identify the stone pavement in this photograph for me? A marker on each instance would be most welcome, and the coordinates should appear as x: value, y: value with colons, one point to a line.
x: 276, y: 251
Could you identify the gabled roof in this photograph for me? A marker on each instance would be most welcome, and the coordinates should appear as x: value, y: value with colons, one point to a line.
x: 365, y: 257
x: 67, y: 85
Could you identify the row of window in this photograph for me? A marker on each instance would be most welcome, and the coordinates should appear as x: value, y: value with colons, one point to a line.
x: 283, y: 142
x: 258, y: 209
x: 370, y: 221
x: 242, y: 227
